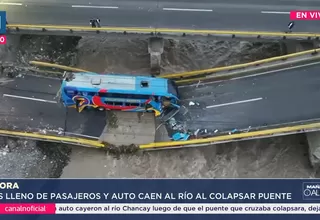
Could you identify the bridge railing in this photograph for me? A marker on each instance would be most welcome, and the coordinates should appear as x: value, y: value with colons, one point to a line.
x: 57, y: 66
x: 218, y: 73
x: 218, y: 139
x: 183, y: 76
x: 244, y: 135
x: 53, y: 138
x: 152, y: 31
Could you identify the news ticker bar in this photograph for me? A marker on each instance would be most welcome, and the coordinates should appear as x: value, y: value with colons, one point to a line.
x: 147, y: 208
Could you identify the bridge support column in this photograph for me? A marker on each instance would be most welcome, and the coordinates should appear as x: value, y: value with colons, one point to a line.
x: 155, y: 49
x: 299, y: 46
x: 126, y: 128
x: 314, y: 148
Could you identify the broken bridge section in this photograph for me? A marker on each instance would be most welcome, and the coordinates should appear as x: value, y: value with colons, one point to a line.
x: 155, y: 49
x: 126, y: 128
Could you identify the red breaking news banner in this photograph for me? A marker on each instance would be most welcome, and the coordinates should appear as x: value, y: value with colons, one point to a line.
x: 305, y: 15
x: 3, y: 39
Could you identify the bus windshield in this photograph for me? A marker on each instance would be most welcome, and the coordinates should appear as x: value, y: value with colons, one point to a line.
x: 118, y: 92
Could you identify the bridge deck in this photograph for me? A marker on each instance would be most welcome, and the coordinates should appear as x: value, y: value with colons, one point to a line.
x: 284, y: 96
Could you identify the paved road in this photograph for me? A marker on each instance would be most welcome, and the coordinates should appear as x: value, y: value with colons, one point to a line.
x: 280, y: 97
x: 201, y: 14
x: 28, y: 103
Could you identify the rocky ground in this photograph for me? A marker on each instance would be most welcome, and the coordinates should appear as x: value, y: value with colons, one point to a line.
x: 276, y: 157
x: 31, y: 159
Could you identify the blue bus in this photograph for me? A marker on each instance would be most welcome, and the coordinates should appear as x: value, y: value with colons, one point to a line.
x: 118, y: 92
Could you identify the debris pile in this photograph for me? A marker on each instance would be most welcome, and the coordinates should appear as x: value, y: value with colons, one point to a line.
x: 191, y: 103
x: 177, y: 128
x: 117, y: 151
x: 52, y: 49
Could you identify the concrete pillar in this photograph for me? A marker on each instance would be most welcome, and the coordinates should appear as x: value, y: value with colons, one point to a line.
x: 155, y: 49
x: 316, y: 44
x: 314, y: 148
x: 298, y: 46
x: 126, y: 128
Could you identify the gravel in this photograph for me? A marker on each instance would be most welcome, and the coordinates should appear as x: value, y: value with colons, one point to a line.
x: 31, y: 159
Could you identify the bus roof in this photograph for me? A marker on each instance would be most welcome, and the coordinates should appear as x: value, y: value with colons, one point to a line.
x: 119, y: 83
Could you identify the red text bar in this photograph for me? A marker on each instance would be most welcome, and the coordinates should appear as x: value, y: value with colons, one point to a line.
x: 305, y: 15
x: 27, y: 208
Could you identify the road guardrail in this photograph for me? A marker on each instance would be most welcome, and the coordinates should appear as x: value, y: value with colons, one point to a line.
x: 263, y: 69
x: 234, y: 137
x: 54, y: 138
x: 225, y: 138
x: 217, y: 73
x: 152, y: 31
x: 197, y: 73
x: 57, y: 66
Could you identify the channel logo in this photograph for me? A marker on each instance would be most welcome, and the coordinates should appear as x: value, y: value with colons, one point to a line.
x: 3, y: 39
x: 311, y: 191
x: 3, y: 22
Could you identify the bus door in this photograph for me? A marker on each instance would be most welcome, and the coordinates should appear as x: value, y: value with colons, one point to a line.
x: 76, y: 99
x: 82, y: 100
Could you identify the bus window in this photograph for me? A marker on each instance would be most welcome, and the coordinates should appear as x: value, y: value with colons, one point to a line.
x: 114, y: 103
x: 146, y: 97
x: 123, y: 96
x: 104, y: 95
x: 133, y: 104
x: 120, y: 95
x: 87, y: 93
x: 118, y: 103
x: 70, y: 92
x: 144, y: 84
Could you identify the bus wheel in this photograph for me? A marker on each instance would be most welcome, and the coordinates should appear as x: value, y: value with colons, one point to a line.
x: 101, y: 109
